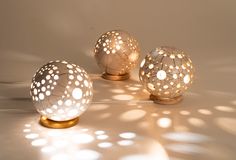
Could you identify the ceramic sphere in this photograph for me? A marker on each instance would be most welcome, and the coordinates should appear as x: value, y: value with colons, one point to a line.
x: 166, y: 72
x: 61, y: 91
x: 117, y: 52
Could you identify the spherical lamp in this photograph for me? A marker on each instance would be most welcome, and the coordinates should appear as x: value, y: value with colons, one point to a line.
x: 116, y: 53
x: 166, y: 73
x: 61, y: 92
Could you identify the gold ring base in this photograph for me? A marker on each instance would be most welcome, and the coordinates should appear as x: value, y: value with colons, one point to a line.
x: 115, y: 77
x: 159, y: 100
x: 44, y: 121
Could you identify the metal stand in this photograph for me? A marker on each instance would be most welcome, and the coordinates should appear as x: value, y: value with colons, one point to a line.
x: 159, y: 100
x: 57, y: 124
x: 115, y: 77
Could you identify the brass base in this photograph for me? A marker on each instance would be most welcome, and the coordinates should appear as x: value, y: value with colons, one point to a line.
x: 115, y: 77
x: 159, y: 100
x: 57, y: 124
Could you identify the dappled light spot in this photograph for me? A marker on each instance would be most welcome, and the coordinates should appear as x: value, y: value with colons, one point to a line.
x: 99, y: 132
x: 102, y: 137
x: 26, y: 130
x: 125, y: 142
x: 138, y: 157
x: 154, y: 115
x: 138, y: 85
x: 31, y: 136
x: 226, y: 124
x: 164, y: 122
x: 39, y: 142
x: 87, y: 154
x: 166, y: 112
x: 184, y: 113
x: 196, y: 122
x: 155, y: 152
x: 27, y: 125
x: 186, y: 137
x: 132, y: 115
x: 127, y: 135
x: 82, y: 138
x: 60, y: 143
x: 105, y: 145
x: 133, y: 88
x: 224, y: 108
x: 205, y: 111
x: 48, y: 149
x: 84, y: 129
x: 106, y: 100
x: 54, y: 133
x: 174, y: 158
x: 117, y: 91
x: 84, y: 154
x: 186, y: 148
x: 60, y: 156
x: 123, y: 97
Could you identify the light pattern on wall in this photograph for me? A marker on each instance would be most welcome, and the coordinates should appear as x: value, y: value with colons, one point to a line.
x: 61, y: 91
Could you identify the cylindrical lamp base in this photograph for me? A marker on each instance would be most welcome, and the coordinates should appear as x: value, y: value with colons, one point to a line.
x: 115, y: 77
x: 167, y: 101
x: 44, y: 121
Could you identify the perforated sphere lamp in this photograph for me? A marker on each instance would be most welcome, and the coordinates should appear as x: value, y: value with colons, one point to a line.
x: 116, y: 53
x: 61, y: 92
x: 166, y: 73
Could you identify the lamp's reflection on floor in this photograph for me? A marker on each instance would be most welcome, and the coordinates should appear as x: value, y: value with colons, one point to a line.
x: 91, y: 144
x: 122, y: 123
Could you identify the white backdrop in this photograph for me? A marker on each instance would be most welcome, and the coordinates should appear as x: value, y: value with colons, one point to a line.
x: 35, y: 32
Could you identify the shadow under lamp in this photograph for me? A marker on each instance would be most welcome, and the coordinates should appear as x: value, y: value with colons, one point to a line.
x: 166, y: 72
x: 116, y: 53
x: 61, y: 92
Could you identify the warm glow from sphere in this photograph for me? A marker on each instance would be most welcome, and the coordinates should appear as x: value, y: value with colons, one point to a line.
x: 166, y: 72
x: 117, y: 52
x: 61, y: 91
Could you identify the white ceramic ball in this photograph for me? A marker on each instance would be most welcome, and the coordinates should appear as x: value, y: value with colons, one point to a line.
x: 166, y: 72
x: 61, y: 91
x: 117, y: 52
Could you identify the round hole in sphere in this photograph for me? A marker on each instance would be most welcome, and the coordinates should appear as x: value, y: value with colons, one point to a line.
x: 77, y: 93
x: 161, y: 75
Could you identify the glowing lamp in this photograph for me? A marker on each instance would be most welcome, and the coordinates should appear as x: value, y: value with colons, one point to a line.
x: 166, y: 72
x: 61, y: 92
x: 116, y: 53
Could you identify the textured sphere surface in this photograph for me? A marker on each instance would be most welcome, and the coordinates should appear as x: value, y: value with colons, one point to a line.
x: 166, y: 72
x: 61, y: 91
x: 117, y: 52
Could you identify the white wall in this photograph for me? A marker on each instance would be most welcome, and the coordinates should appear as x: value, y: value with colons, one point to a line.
x: 34, y: 32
